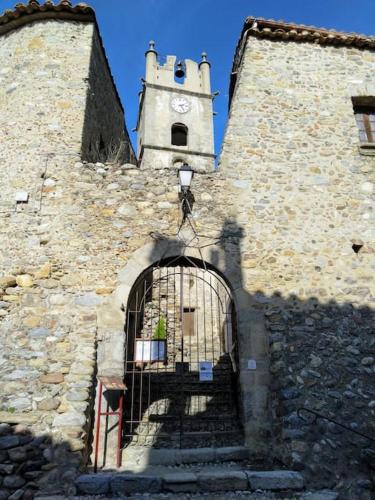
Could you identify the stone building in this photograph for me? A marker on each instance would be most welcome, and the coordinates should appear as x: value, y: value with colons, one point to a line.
x: 267, y: 285
x: 165, y: 98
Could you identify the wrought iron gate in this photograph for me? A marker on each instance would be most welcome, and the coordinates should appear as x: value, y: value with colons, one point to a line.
x: 180, y: 360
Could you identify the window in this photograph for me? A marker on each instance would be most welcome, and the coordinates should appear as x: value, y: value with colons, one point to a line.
x: 364, y: 112
x: 179, y: 134
x: 188, y: 321
x: 365, y: 118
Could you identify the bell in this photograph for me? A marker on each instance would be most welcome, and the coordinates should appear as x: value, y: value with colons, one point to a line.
x: 179, y: 73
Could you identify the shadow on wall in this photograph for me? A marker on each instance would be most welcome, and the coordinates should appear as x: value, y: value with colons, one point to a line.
x: 30, y: 464
x: 318, y: 355
x: 104, y: 137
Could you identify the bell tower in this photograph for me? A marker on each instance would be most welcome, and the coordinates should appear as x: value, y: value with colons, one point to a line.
x: 175, y: 120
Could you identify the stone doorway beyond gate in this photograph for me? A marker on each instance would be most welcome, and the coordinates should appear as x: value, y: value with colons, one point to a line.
x: 181, y: 366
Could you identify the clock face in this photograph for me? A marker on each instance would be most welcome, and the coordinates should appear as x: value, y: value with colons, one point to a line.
x: 180, y: 104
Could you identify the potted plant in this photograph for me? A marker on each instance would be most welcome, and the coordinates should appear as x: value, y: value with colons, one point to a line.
x: 154, y: 349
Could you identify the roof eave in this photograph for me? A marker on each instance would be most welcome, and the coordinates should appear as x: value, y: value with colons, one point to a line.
x: 280, y: 30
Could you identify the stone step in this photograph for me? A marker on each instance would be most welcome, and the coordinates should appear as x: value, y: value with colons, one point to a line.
x: 204, y: 481
x: 170, y: 384
x: 193, y: 440
x: 143, y: 457
x: 226, y: 495
x: 191, y: 398
x: 191, y: 419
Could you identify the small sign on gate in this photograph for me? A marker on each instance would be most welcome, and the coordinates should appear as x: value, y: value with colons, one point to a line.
x: 206, y: 371
x: 150, y: 350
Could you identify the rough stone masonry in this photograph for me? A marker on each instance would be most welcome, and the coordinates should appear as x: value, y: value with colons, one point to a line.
x: 305, y: 197
x: 293, y: 194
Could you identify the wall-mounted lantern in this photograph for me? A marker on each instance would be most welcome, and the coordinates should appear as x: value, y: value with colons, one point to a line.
x: 185, y: 176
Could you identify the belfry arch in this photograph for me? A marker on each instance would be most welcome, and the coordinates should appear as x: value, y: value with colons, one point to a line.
x: 251, y: 342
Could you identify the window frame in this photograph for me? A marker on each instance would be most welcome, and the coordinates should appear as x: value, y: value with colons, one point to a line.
x: 362, y: 115
x: 182, y: 128
x: 188, y: 321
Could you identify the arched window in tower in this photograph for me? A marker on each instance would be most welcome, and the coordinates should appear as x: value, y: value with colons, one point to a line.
x: 179, y: 134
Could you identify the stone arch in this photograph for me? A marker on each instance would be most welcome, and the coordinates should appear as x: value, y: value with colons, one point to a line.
x: 177, y: 161
x: 251, y: 332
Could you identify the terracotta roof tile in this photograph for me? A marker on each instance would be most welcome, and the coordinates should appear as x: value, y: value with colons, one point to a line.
x: 269, y: 28
x: 23, y: 13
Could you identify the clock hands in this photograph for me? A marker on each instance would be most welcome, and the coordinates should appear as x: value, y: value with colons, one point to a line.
x: 180, y: 104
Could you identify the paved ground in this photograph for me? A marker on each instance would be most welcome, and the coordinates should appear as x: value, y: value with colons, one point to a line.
x: 190, y: 496
x: 258, y: 495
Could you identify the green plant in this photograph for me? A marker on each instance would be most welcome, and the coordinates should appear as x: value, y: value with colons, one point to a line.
x: 160, y: 330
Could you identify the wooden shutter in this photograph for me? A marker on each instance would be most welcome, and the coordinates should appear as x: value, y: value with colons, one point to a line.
x: 371, y: 119
x: 365, y: 118
x: 361, y: 126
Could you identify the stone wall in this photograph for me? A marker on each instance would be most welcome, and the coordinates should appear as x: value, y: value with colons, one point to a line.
x: 104, y: 136
x: 50, y: 99
x: 60, y: 269
x: 278, y: 221
x: 305, y: 195
x: 43, y: 97
x: 47, y: 326
x: 27, y: 461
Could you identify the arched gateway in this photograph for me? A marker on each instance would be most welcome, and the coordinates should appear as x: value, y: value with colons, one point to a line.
x: 181, y: 362
x: 213, y: 321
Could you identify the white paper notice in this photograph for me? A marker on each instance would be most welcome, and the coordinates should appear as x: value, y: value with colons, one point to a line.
x: 251, y: 364
x: 206, y: 371
x: 147, y: 350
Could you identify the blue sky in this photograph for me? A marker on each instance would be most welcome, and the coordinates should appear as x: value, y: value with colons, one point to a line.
x: 188, y: 27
